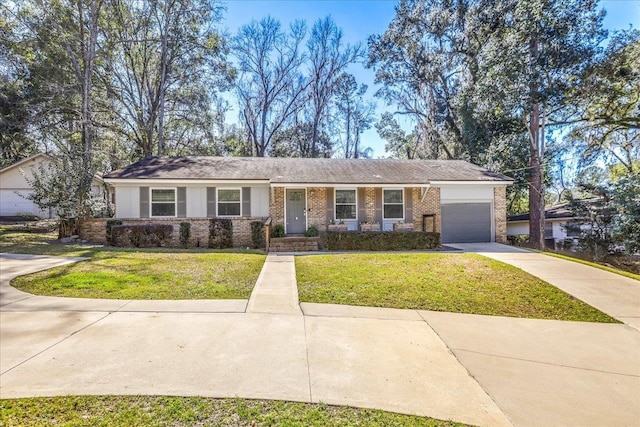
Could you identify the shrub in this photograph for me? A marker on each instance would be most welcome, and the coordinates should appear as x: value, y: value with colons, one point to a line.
x: 278, y: 231
x: 257, y: 234
x: 312, y: 231
x: 185, y: 233
x: 109, y: 224
x: 220, y: 233
x: 379, y: 241
x: 141, y: 235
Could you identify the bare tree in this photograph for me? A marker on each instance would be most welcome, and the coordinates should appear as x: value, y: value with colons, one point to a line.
x: 166, y: 59
x: 328, y: 58
x: 353, y: 116
x: 270, y: 87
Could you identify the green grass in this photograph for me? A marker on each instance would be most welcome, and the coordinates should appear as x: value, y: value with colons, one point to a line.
x: 181, y: 411
x: 117, y: 273
x: 16, y: 241
x: 150, y: 275
x: 596, y: 265
x: 461, y: 283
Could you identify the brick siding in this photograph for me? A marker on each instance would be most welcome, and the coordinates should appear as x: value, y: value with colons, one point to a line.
x: 276, y: 205
x: 430, y: 204
x: 95, y: 230
x: 500, y: 213
x: 370, y: 204
x: 317, y: 207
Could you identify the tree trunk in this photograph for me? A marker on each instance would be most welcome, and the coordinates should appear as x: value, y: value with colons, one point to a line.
x: 536, y: 153
x: 163, y: 77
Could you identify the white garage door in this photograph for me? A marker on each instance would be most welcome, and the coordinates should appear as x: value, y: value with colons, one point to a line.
x: 466, y: 222
x: 11, y: 204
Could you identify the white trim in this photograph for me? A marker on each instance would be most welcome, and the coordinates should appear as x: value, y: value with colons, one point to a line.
x: 493, y: 183
x: 175, y: 202
x: 348, y: 185
x: 335, y: 204
x: 403, y: 205
x: 218, y: 202
x: 306, y: 218
x: 20, y: 162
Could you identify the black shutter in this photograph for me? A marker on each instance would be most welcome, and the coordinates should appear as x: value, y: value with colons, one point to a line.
x: 246, y: 201
x: 362, y: 211
x: 211, y: 202
x: 182, y: 202
x: 144, y: 202
x: 330, y: 205
x: 408, y: 204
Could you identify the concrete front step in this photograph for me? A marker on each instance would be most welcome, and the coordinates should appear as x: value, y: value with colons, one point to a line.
x: 294, y: 244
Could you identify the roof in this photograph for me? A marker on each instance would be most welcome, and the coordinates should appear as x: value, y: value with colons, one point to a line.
x: 557, y: 211
x: 303, y: 170
x: 26, y: 160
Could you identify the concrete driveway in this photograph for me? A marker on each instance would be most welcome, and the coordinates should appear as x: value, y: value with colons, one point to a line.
x: 482, y: 370
x: 70, y: 346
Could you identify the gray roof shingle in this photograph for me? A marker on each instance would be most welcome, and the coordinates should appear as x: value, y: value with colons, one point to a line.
x: 302, y: 170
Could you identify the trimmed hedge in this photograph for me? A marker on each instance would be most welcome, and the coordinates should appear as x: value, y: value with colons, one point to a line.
x: 141, y: 235
x: 220, y: 233
x: 379, y: 240
x: 109, y: 225
x: 257, y: 234
x: 185, y: 233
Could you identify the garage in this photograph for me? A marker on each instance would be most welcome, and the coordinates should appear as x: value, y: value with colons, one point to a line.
x: 466, y: 222
x: 13, y: 204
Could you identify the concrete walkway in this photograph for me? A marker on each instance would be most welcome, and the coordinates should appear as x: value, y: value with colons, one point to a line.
x: 481, y: 370
x: 276, y: 290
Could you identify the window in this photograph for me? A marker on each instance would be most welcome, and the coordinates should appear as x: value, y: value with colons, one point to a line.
x: 163, y: 202
x: 229, y: 202
x: 346, y: 204
x: 393, y: 204
x: 548, y: 230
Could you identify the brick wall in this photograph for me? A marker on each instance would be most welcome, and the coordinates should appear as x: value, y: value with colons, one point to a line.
x: 500, y: 213
x: 317, y: 207
x: 370, y: 204
x: 95, y: 230
x: 430, y: 204
x: 276, y: 205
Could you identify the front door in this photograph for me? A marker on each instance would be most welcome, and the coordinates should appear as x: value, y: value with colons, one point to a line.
x: 296, y: 212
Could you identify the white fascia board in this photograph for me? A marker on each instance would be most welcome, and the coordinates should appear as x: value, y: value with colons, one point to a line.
x: 149, y: 182
x: 348, y: 185
x: 493, y: 183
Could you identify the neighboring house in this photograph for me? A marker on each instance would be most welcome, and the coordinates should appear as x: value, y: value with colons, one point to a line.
x: 14, y: 187
x: 465, y: 202
x: 557, y: 219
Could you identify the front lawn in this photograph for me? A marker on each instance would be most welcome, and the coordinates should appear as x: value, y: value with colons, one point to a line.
x: 180, y: 411
x: 461, y: 283
x: 161, y: 274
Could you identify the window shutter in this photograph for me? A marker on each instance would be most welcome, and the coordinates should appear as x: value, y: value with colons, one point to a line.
x: 378, y: 216
x: 181, y: 196
x: 362, y: 212
x: 408, y: 204
x: 144, y: 202
x: 330, y: 205
x: 246, y: 201
x: 211, y: 202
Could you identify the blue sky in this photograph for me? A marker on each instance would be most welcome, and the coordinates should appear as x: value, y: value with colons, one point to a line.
x: 361, y: 18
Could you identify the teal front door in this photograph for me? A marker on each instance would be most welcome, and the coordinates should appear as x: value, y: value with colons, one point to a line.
x: 296, y: 212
